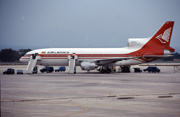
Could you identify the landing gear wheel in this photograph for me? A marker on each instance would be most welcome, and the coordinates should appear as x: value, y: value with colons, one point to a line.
x: 102, y: 71
x: 125, y: 69
x: 108, y: 71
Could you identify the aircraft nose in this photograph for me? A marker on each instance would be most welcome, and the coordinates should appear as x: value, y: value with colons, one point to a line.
x: 23, y: 59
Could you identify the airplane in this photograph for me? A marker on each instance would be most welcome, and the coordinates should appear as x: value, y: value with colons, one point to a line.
x: 139, y: 50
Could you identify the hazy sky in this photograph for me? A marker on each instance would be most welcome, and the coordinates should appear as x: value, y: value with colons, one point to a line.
x: 84, y: 23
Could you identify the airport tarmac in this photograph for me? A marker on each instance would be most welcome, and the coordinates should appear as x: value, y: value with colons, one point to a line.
x: 90, y: 94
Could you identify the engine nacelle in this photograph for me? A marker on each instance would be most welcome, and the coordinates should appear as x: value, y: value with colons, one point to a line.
x: 137, y: 42
x: 88, y: 66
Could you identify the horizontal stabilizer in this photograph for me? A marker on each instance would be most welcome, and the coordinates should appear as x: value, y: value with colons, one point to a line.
x: 156, y: 56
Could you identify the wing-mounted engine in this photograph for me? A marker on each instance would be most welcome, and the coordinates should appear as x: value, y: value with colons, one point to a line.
x: 88, y: 65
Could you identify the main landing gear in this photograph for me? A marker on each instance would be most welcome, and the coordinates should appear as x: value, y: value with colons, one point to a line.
x: 109, y: 69
x: 105, y: 69
x: 125, y: 69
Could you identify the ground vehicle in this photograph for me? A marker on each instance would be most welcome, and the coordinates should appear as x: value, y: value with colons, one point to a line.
x: 62, y: 68
x: 47, y: 69
x: 9, y: 71
x: 152, y: 69
x: 137, y: 70
x: 19, y: 71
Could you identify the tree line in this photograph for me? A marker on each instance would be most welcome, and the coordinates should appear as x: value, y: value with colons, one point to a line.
x: 10, y: 55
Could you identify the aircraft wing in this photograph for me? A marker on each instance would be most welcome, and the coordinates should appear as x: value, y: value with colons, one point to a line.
x: 111, y: 60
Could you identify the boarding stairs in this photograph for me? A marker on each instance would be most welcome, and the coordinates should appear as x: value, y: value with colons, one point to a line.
x: 32, y: 63
x: 72, y: 64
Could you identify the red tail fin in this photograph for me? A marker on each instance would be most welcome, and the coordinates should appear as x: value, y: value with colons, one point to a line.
x: 163, y: 35
x: 161, y: 40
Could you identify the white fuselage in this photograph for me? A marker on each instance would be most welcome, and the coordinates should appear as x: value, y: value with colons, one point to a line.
x: 59, y: 56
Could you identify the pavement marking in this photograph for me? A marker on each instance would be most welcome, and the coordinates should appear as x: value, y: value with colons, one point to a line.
x: 46, y: 102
